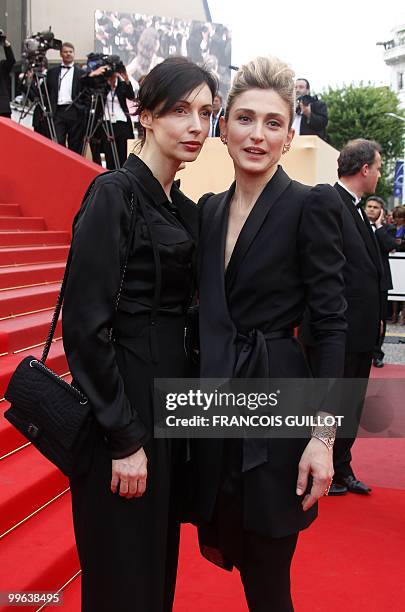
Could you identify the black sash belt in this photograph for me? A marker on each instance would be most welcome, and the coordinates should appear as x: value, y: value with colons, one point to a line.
x: 253, y: 362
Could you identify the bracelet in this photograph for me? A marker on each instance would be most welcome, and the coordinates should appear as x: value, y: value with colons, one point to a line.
x: 325, y: 433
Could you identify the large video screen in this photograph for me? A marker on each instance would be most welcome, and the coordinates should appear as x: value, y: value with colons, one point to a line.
x: 142, y: 41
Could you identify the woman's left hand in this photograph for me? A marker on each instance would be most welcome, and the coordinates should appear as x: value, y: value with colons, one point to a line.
x: 316, y: 460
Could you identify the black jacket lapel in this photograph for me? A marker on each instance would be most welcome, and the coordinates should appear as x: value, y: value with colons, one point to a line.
x: 269, y: 196
x: 216, y: 337
x: 369, y: 239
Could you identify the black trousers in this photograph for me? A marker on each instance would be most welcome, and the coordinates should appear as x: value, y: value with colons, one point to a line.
x: 263, y: 562
x: 69, y: 127
x: 378, y: 352
x: 128, y: 549
x: 357, y: 365
x: 121, y: 131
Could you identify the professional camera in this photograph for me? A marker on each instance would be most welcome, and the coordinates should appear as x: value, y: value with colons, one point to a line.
x: 36, y: 47
x: 2, y: 38
x: 113, y: 63
x: 306, y: 99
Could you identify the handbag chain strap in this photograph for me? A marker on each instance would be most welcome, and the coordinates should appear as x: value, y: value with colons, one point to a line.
x: 59, y: 301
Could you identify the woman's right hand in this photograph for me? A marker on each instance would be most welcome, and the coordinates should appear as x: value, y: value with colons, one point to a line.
x: 129, y: 475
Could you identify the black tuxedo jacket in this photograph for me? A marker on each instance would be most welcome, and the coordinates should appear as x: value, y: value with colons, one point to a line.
x: 363, y: 280
x: 52, y: 81
x: 387, y: 244
x: 5, y: 69
x: 288, y: 257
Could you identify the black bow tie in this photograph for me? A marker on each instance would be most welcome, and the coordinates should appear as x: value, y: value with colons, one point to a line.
x: 358, y: 205
x: 66, y: 67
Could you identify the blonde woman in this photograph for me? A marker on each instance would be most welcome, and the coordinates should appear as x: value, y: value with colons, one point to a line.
x: 270, y: 249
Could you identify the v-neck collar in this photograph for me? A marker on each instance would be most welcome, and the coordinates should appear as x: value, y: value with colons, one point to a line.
x: 255, y: 219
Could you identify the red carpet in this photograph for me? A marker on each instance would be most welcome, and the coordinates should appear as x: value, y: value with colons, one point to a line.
x: 351, y: 559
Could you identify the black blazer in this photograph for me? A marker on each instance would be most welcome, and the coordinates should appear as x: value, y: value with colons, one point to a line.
x: 5, y: 69
x: 387, y: 244
x: 363, y: 280
x: 288, y: 257
x: 52, y: 81
x: 317, y: 122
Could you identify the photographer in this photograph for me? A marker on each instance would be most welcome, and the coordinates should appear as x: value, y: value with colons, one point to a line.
x: 31, y: 88
x: 5, y: 69
x: 117, y: 89
x: 311, y: 116
x: 64, y: 86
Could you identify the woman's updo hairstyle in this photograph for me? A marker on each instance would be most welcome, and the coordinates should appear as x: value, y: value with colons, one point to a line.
x: 264, y: 73
x: 170, y: 81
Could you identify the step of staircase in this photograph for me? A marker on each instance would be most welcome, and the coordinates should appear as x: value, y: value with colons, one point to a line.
x: 8, y: 238
x: 72, y: 595
x: 22, y: 224
x: 28, y: 299
x: 25, y: 255
x: 28, y: 481
x: 10, y: 437
x: 26, y: 330
x: 56, y: 362
x: 10, y: 210
x: 41, y: 553
x: 17, y: 276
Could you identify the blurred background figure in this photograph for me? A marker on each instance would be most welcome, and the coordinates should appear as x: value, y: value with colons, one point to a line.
x: 64, y: 85
x: 374, y: 210
x: 311, y: 115
x: 397, y: 230
x: 146, y: 57
x: 218, y: 111
x: 5, y: 69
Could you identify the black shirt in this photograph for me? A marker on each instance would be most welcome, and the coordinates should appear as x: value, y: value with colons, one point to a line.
x: 99, y: 248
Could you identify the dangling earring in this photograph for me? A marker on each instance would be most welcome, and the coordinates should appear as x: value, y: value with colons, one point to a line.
x: 286, y: 148
x: 224, y: 139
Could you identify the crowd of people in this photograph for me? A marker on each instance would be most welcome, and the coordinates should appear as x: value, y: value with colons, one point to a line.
x: 256, y: 283
x: 143, y: 41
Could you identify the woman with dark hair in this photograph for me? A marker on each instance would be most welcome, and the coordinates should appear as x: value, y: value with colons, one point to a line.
x: 123, y: 325
x: 271, y: 248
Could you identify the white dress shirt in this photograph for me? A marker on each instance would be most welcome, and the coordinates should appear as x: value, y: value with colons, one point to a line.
x: 355, y: 198
x: 297, y: 123
x: 112, y: 108
x: 65, y: 84
x: 214, y: 122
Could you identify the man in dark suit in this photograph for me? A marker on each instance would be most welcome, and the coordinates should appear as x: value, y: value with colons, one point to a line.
x: 359, y: 166
x: 5, y: 69
x: 64, y: 86
x: 374, y: 210
x: 218, y: 111
x: 311, y: 115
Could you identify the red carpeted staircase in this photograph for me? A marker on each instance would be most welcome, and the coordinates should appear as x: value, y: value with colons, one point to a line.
x: 352, y: 558
x: 37, y: 544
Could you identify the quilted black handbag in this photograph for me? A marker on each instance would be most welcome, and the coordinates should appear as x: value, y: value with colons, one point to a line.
x: 52, y: 414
